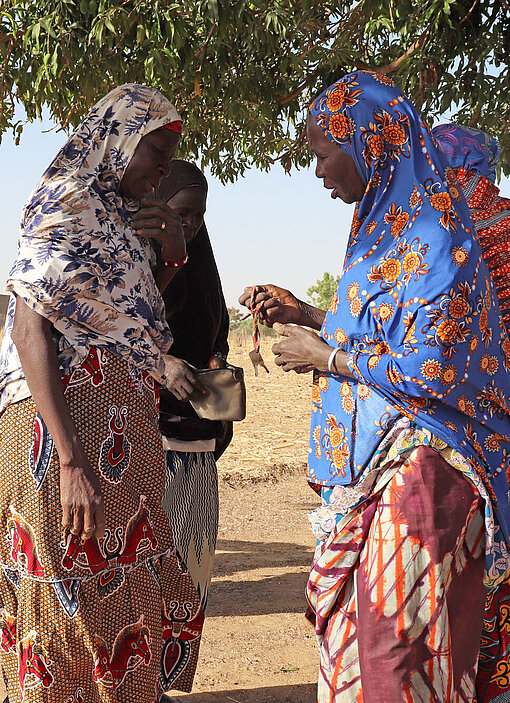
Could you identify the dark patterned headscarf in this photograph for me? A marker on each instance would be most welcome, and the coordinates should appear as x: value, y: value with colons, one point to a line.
x: 469, y: 148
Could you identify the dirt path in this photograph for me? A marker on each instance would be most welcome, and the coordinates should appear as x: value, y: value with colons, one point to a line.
x: 257, y: 646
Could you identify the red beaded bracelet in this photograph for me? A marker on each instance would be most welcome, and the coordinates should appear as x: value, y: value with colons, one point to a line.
x: 175, y: 264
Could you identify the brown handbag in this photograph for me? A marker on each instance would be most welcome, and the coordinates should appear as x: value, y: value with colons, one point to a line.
x: 226, y: 396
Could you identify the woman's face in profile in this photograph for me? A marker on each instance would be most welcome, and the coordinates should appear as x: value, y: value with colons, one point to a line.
x: 190, y: 204
x: 336, y: 168
x: 149, y: 163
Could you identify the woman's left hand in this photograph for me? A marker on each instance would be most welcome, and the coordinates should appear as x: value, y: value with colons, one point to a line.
x: 301, y: 350
x: 155, y: 220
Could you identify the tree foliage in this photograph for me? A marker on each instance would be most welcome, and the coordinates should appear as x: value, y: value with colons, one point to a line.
x: 241, y: 71
x: 322, y: 292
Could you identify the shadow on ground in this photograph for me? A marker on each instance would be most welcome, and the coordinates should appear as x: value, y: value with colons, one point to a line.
x: 273, y: 594
x: 305, y: 693
x: 243, y: 556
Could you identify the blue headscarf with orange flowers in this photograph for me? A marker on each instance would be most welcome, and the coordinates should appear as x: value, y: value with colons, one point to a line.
x: 415, y: 307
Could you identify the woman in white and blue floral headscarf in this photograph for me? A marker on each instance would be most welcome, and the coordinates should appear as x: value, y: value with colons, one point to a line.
x: 95, y: 603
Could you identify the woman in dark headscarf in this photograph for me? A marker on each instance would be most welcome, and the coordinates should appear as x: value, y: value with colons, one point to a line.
x: 410, y: 440
x: 197, y: 315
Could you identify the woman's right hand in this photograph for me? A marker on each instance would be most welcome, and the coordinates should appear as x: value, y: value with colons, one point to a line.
x: 181, y: 378
x: 274, y: 304
x: 81, y: 499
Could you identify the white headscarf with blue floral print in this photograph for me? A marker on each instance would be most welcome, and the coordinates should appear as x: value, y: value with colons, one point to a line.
x: 79, y: 263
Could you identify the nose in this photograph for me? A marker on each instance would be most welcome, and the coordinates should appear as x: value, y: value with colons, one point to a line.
x: 319, y: 173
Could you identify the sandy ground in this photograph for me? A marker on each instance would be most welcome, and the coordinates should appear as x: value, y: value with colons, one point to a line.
x: 257, y: 646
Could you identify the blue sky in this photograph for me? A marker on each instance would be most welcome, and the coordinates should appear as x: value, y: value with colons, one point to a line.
x: 265, y: 228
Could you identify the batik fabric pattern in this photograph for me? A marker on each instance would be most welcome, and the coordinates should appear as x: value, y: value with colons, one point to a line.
x: 192, y: 505
x: 110, y: 621
x: 475, y: 170
x: 392, y: 584
x: 415, y: 308
x: 79, y: 263
x: 469, y: 148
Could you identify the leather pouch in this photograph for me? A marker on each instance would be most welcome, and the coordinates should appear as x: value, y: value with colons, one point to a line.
x: 226, y: 397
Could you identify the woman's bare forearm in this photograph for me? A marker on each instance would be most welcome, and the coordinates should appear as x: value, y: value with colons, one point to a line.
x: 163, y: 275
x: 32, y: 336
x: 310, y: 316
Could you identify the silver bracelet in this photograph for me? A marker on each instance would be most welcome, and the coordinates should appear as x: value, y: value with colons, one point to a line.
x: 331, y: 358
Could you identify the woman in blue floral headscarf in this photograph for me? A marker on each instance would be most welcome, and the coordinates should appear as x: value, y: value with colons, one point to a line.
x: 95, y: 604
x: 410, y: 437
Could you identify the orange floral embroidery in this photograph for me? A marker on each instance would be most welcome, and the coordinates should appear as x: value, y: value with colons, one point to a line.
x: 335, y: 99
x: 385, y: 311
x: 466, y: 406
x: 448, y: 331
x: 370, y: 228
x: 340, y: 456
x: 352, y: 291
x: 411, y: 262
x: 382, y: 348
x: 484, y: 318
x: 431, y: 369
x: 375, y: 145
x: 449, y: 375
x: 390, y: 269
x: 398, y: 218
x: 393, y: 375
x: 341, y: 126
x: 373, y: 361
x: 323, y: 383
x: 336, y: 436
x: 340, y: 337
x: 348, y: 404
x: 493, y: 441
x: 355, y: 307
x: 414, y: 198
x: 441, y: 202
x: 458, y: 307
x: 345, y: 388
x: 453, y: 184
x: 460, y: 256
x: 364, y: 391
x: 489, y: 364
x: 394, y: 134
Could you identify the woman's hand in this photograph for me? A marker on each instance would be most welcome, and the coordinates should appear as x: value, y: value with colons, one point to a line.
x: 81, y: 499
x: 155, y: 220
x: 181, y: 378
x: 302, y: 351
x: 274, y: 304
x: 80, y: 490
x: 298, y: 350
x: 216, y: 362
